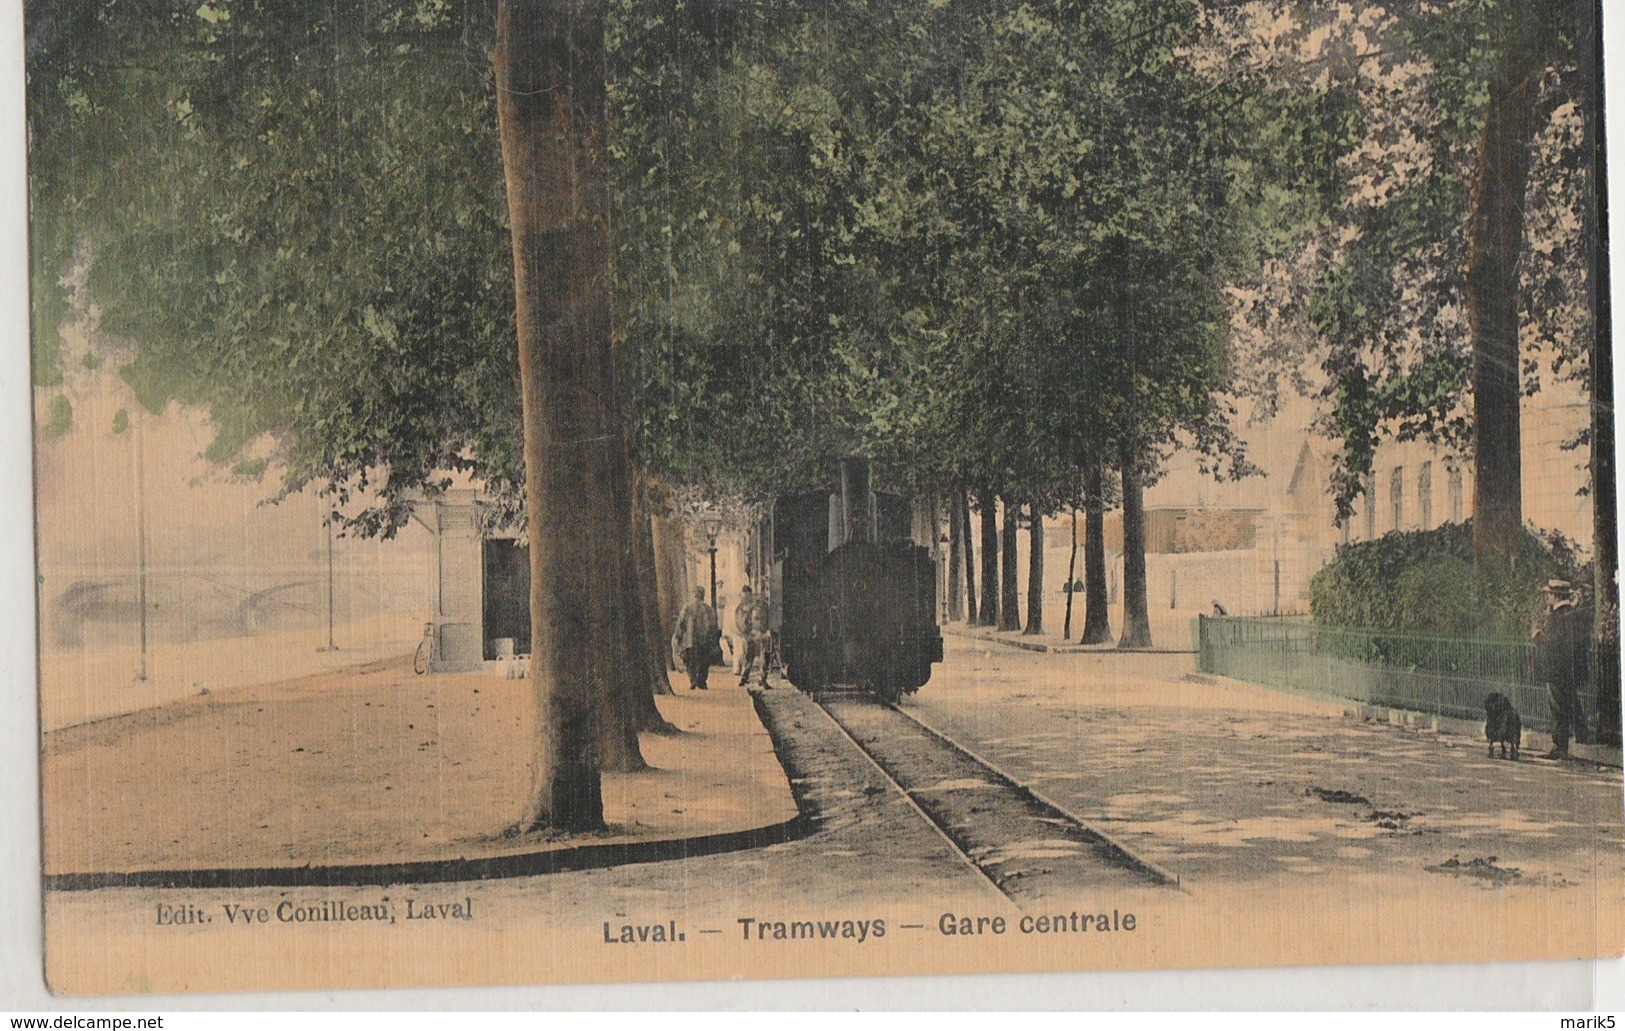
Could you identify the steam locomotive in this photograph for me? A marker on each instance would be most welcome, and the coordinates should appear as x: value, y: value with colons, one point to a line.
x: 855, y: 590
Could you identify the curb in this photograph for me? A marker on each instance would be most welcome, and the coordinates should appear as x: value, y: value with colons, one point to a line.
x: 526, y: 864
x: 1063, y: 649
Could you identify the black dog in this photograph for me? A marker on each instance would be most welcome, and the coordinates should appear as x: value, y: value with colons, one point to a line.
x: 1501, y: 724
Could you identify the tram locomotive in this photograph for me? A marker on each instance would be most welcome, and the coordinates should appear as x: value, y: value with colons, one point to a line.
x: 857, y: 594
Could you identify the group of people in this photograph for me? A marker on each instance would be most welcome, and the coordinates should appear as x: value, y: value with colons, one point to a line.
x: 699, y: 637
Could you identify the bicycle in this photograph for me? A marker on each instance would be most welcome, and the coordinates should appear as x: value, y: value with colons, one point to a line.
x: 424, y: 656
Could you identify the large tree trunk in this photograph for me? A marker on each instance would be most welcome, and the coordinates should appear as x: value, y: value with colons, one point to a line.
x: 1009, y: 610
x: 1604, y: 491
x: 1035, y: 572
x: 550, y: 109
x: 956, y: 559
x: 1605, y: 524
x: 1097, y: 621
x: 1495, y: 239
x: 989, y: 614
x: 968, y: 535
x: 1136, y: 614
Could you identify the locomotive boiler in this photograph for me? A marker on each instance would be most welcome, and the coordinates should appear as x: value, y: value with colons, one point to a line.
x: 857, y: 593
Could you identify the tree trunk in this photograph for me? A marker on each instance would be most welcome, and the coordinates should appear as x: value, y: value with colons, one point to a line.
x: 1071, y: 578
x: 1495, y: 239
x: 1604, y: 491
x: 549, y: 67
x: 968, y: 536
x: 1097, y: 622
x: 671, y: 576
x: 956, y: 559
x: 648, y: 575
x: 1604, y: 526
x: 627, y: 704
x: 989, y: 614
x: 1136, y: 614
x: 1035, y: 573
x: 1009, y: 610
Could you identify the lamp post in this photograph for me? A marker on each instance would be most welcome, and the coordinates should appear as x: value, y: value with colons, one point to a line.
x: 712, y: 526
x: 331, y: 647
x: 140, y: 436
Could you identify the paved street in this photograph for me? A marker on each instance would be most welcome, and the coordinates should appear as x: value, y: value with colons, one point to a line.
x: 1223, y: 782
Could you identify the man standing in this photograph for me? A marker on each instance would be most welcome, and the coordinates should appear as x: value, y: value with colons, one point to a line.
x: 752, y: 620
x: 1563, y: 657
x: 697, y: 634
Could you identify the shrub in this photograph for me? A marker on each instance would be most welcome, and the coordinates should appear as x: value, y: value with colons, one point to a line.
x: 1424, y: 581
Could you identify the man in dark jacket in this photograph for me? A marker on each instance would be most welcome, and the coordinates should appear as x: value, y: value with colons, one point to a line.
x: 1563, y: 661
x: 697, y: 634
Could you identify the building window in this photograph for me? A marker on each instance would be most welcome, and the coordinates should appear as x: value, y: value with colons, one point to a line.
x: 1456, y: 502
x: 1370, y: 508
x: 1424, y: 492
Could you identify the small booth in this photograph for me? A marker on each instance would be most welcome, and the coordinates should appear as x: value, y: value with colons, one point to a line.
x: 480, y: 591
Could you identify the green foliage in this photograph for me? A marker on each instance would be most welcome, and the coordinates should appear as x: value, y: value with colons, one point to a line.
x: 968, y: 240
x: 1381, y: 291
x: 252, y: 468
x: 295, y: 211
x: 1424, y: 581
x: 59, y: 419
x: 121, y: 421
x: 980, y: 242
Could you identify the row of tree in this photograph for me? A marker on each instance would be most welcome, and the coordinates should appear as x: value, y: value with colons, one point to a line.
x: 585, y: 252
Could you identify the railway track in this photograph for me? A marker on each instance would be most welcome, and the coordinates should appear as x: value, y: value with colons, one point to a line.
x: 1030, y: 849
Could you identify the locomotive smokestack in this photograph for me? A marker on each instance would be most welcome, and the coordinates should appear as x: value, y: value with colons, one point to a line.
x: 857, y: 503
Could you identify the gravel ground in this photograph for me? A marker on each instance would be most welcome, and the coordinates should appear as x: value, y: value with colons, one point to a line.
x: 373, y: 765
x: 1223, y: 782
x: 869, y: 858
x: 1035, y: 854
x: 1301, y: 838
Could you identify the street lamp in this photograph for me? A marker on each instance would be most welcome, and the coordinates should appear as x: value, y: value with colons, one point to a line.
x: 712, y: 526
x: 328, y: 523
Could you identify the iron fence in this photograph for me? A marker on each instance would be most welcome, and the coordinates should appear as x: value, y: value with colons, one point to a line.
x: 1427, y: 673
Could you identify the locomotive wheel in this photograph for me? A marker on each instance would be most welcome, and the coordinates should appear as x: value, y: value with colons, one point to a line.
x: 887, y: 689
x: 810, y: 681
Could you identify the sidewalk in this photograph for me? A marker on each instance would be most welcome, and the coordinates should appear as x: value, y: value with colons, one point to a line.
x: 376, y: 766
x: 1534, y: 742
x: 1170, y: 633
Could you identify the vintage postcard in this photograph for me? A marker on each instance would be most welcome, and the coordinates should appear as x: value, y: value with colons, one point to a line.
x: 564, y: 491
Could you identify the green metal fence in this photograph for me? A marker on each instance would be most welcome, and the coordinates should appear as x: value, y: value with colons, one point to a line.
x: 1437, y: 675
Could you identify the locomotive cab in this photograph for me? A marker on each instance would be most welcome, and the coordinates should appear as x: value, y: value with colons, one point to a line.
x: 858, y: 592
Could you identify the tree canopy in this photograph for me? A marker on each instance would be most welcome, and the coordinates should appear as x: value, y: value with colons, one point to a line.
x: 967, y: 239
